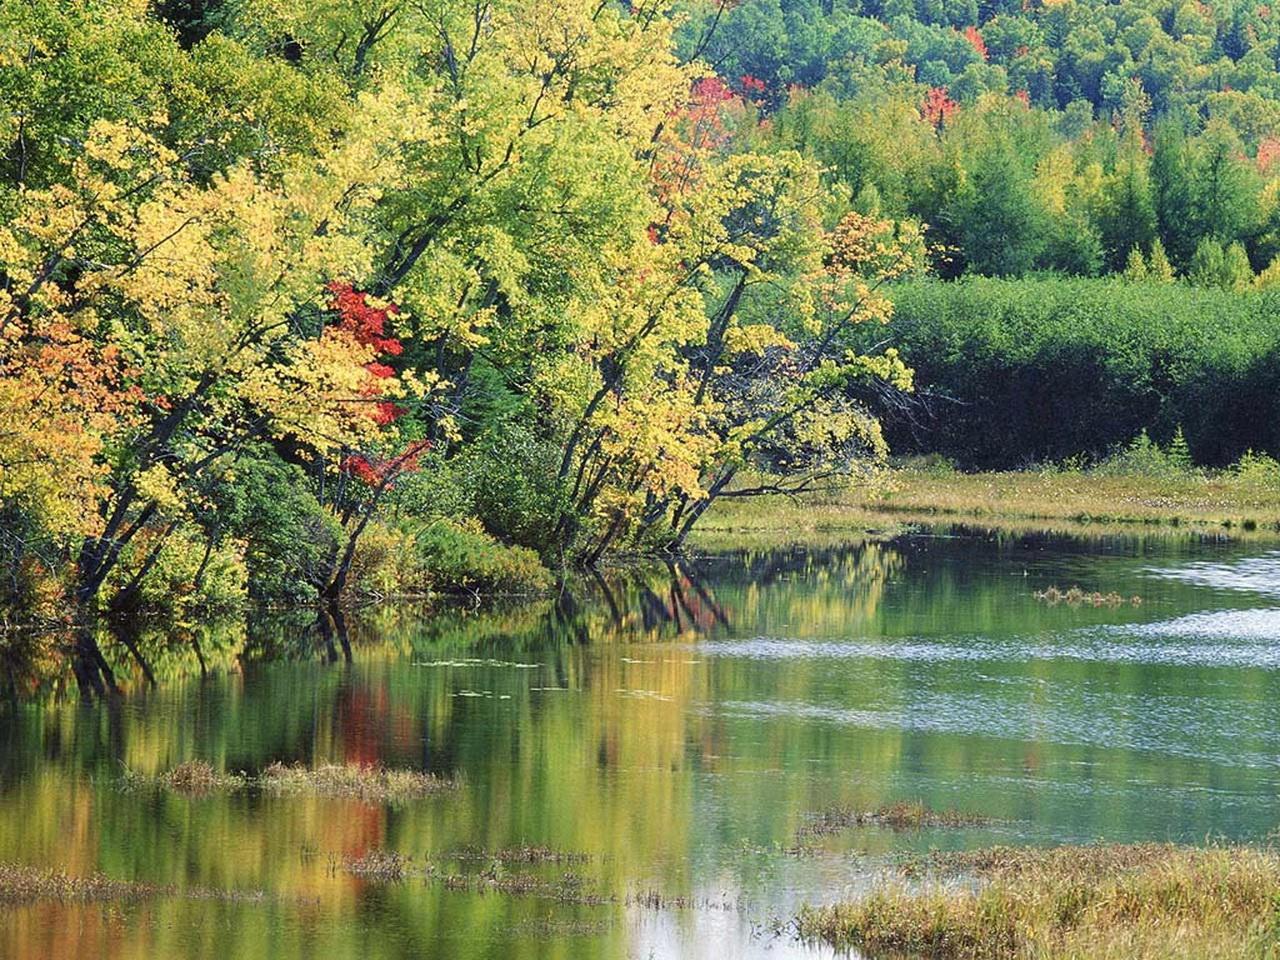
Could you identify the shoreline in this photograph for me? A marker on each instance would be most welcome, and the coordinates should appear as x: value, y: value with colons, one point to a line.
x: 1017, y: 501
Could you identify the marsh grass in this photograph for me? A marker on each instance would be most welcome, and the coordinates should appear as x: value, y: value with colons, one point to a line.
x: 1065, y: 500
x: 650, y: 899
x: 350, y: 781
x: 1146, y: 901
x: 390, y: 867
x: 384, y: 866
x: 1076, y: 597
x: 567, y: 888
x: 23, y: 884
x: 371, y: 784
x: 193, y: 778
x: 903, y: 815
x: 525, y: 853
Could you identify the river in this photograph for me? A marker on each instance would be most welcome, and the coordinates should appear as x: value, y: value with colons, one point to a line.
x: 668, y: 731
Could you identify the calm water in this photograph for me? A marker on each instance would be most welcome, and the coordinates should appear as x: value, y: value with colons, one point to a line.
x: 676, y: 726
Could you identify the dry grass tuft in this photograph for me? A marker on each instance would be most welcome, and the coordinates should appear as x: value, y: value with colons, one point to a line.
x: 194, y: 778
x: 1146, y: 901
x: 382, y: 865
x: 372, y: 784
x: 903, y: 815
x: 24, y: 884
x: 525, y: 853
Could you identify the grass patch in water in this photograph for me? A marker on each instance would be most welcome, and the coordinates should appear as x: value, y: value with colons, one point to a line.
x: 1076, y: 597
x: 384, y: 866
x: 391, y: 867
x: 1145, y: 902
x: 373, y: 784
x: 569, y: 888
x: 351, y: 781
x: 24, y: 884
x: 194, y: 778
x: 525, y: 853
x: 903, y: 815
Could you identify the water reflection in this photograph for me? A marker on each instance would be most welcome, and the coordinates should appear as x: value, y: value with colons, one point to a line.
x: 674, y: 723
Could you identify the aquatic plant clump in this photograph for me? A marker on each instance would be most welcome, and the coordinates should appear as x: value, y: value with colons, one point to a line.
x: 190, y: 778
x: 372, y: 784
x: 1140, y: 901
x: 525, y: 853
x: 1076, y: 597
x: 903, y: 815
x: 382, y: 865
x: 20, y: 884
x: 350, y: 781
x: 23, y: 884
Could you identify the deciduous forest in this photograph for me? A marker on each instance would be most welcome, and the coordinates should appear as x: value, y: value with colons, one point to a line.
x: 300, y: 299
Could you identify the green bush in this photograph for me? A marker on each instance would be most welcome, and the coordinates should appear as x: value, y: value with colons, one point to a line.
x: 1257, y: 470
x: 1024, y: 372
x: 1143, y: 457
x: 461, y: 556
x: 184, y: 578
x: 510, y: 479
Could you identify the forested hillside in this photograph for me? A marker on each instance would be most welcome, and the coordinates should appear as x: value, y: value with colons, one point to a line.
x: 1067, y: 137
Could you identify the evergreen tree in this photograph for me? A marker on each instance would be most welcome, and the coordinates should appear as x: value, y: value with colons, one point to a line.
x: 1171, y: 192
x: 1127, y: 219
x: 1158, y: 267
x: 1135, y: 267
x: 1002, y: 222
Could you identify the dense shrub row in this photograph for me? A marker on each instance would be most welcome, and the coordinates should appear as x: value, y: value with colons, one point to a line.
x: 1014, y: 372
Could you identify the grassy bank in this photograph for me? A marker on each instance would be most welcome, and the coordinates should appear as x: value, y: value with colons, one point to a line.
x: 1069, y: 500
x: 1142, y: 902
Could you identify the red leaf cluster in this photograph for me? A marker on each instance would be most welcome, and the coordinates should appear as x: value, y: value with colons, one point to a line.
x: 377, y: 472
x: 938, y: 108
x: 366, y: 323
x: 1268, y: 153
x: 975, y: 40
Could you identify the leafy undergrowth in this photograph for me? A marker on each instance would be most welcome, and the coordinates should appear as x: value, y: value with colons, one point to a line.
x: 374, y: 784
x: 1144, y: 902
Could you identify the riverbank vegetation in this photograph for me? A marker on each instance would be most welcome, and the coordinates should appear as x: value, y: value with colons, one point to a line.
x: 1142, y: 486
x: 310, y: 301
x: 286, y: 289
x: 1146, y: 901
x: 1016, y: 373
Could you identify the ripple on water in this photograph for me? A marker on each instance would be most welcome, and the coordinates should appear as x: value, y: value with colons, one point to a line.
x: 1260, y: 574
x: 1225, y: 638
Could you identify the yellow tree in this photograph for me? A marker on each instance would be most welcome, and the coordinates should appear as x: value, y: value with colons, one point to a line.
x: 209, y: 299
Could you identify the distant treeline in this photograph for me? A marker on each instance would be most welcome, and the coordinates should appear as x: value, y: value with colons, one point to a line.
x: 1063, y: 137
x: 1019, y: 372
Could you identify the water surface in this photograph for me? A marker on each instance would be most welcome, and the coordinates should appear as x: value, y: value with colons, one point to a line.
x: 676, y: 726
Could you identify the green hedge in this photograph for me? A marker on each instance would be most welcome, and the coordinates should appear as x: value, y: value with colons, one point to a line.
x: 1042, y: 370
